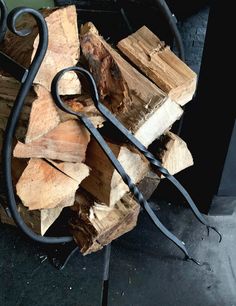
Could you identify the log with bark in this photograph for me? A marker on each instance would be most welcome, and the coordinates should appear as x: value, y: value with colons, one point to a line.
x: 173, y: 153
x: 95, y: 225
x: 139, y: 104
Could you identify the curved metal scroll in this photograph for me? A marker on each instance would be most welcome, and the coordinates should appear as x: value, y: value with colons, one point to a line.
x: 102, y: 143
x: 16, y: 110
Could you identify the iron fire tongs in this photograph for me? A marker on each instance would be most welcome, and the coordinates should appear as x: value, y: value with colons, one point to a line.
x: 116, y: 124
x: 26, y: 77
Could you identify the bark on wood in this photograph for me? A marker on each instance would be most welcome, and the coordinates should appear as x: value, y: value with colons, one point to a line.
x: 67, y: 142
x: 104, y: 182
x: 149, y: 112
x: 95, y: 225
x: 8, y: 91
x: 63, y: 47
x: 160, y: 64
x: 174, y: 153
x: 149, y: 184
x: 38, y: 220
x: 112, y: 86
x: 45, y: 185
x: 85, y: 105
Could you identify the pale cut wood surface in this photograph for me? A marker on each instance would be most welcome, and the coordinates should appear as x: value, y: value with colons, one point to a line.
x: 104, y: 182
x: 39, y: 114
x: 149, y: 112
x: 38, y: 220
x: 44, y: 115
x: 67, y: 142
x: 160, y: 64
x: 175, y: 155
x: 43, y: 186
x: 63, y: 47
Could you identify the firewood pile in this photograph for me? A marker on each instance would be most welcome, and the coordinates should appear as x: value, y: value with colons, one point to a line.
x: 56, y: 164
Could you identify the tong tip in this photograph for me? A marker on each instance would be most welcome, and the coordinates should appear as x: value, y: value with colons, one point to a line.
x: 188, y: 258
x: 216, y: 230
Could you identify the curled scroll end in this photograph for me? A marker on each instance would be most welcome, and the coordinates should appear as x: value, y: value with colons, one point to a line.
x: 55, y: 88
x: 12, y: 20
x: 55, y: 92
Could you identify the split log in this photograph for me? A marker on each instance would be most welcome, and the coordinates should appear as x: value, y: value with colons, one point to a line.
x: 46, y: 184
x: 174, y: 153
x: 160, y: 64
x: 95, y: 225
x: 63, y: 47
x: 39, y: 114
x: 38, y: 220
x: 104, y: 182
x: 44, y: 115
x: 67, y: 142
x: 143, y: 108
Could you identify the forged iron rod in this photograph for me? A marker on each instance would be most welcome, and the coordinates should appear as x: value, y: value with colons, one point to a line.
x: 102, y: 143
x: 16, y: 110
x: 105, y: 284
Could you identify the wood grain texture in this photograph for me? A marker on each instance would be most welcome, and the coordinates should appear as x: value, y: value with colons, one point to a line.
x: 44, y: 115
x: 40, y: 114
x: 174, y: 153
x: 104, y: 182
x: 149, y: 112
x: 63, y: 47
x: 95, y: 225
x: 67, y: 142
x: 45, y: 185
x: 160, y: 64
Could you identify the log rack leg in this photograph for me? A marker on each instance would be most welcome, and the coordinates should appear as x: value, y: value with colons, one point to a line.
x: 106, y: 272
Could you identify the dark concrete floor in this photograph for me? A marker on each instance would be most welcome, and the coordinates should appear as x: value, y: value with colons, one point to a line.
x: 146, y: 269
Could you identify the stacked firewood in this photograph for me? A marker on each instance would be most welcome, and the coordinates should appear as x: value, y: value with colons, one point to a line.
x: 56, y: 164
